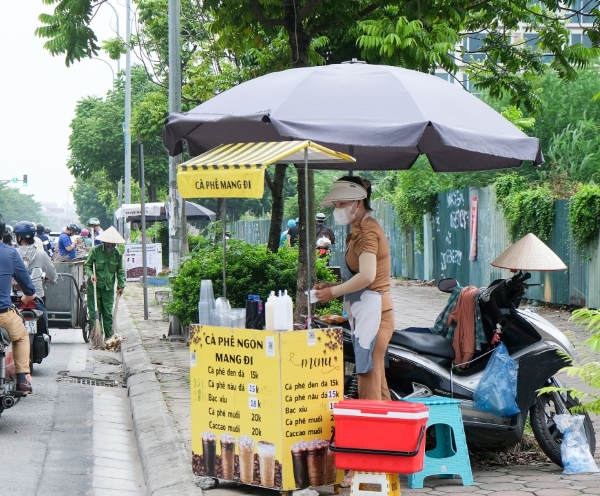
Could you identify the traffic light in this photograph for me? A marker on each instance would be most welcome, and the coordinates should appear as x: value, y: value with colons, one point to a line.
x: 24, y: 179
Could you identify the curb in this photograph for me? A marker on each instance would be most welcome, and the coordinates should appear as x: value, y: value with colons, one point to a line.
x: 163, y: 455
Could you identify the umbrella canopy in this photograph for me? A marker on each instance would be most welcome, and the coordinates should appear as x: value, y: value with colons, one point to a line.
x: 385, y: 117
x: 157, y: 211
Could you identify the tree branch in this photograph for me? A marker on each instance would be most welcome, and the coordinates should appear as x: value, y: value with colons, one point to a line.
x: 305, y: 11
x: 265, y: 21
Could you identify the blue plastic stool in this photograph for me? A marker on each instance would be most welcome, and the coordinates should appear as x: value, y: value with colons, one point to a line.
x: 448, y: 458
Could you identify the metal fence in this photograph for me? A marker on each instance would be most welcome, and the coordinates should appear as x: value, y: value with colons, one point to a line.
x: 447, y: 247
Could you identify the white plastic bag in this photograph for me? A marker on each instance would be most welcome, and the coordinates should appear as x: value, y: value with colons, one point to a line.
x: 574, y: 449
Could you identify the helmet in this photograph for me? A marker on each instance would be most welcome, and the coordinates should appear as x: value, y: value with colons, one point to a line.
x: 25, y: 229
x: 320, y: 217
x: 291, y: 223
x: 47, y: 230
x: 74, y: 227
x: 85, y: 232
x: 93, y: 222
x: 39, y: 228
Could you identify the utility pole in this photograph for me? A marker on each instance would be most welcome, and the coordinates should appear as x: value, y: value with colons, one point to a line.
x: 127, y: 124
x: 175, y: 230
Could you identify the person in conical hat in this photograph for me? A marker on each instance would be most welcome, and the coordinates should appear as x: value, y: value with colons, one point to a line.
x: 108, y: 264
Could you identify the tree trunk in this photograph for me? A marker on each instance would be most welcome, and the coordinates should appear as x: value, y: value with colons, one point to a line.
x: 222, y: 216
x: 306, y: 243
x: 152, y: 193
x: 276, y: 187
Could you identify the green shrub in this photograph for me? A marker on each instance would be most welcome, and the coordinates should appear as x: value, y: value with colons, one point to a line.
x: 527, y: 209
x: 584, y: 212
x: 251, y: 269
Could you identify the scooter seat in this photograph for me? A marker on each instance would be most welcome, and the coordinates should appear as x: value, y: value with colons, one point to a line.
x: 425, y: 343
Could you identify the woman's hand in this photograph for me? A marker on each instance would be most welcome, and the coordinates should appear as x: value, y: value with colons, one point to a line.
x: 322, y: 285
x: 325, y: 294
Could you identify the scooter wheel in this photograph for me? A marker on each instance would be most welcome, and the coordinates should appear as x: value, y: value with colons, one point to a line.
x: 545, y: 430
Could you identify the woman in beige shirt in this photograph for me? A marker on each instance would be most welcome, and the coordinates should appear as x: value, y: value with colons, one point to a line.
x: 366, y: 270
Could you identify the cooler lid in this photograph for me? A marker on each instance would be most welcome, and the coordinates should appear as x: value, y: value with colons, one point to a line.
x: 374, y: 408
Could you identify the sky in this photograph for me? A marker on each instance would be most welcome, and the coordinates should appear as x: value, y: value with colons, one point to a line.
x: 39, y: 94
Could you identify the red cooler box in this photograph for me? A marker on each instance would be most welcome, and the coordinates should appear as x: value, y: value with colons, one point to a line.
x: 379, y: 436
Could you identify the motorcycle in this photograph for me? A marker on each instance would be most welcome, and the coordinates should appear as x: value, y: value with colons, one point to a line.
x: 35, y: 323
x: 420, y: 365
x: 9, y: 396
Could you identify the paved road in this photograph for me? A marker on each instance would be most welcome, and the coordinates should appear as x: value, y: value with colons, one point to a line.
x: 165, y: 365
x: 71, y: 438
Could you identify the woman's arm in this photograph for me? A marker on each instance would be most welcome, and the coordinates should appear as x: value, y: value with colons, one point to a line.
x: 367, y: 270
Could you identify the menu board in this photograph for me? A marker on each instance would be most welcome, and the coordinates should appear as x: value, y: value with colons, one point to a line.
x: 261, y: 405
x: 134, y: 264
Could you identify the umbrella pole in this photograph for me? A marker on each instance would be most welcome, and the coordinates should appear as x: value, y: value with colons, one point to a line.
x: 308, y: 313
x: 224, y: 222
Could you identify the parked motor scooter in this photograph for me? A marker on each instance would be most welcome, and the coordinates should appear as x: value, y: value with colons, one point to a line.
x: 420, y: 365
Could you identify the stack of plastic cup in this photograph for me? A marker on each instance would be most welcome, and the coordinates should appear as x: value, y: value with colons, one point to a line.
x: 221, y: 315
x: 206, y: 303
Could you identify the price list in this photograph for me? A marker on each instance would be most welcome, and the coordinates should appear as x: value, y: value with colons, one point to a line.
x: 255, y: 394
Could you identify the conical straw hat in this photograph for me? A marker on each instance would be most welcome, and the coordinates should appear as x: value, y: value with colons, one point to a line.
x: 529, y: 253
x: 111, y: 235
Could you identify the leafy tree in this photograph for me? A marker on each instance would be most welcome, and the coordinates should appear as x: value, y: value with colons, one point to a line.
x: 89, y: 203
x: 96, y: 140
x: 16, y: 206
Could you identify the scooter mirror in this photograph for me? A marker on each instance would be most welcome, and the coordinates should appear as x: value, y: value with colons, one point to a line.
x: 447, y: 285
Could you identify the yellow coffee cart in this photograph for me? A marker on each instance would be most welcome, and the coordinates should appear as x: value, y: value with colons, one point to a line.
x: 261, y: 401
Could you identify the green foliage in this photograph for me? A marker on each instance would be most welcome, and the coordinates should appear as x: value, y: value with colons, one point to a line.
x: 589, y: 370
x: 414, y: 195
x: 251, y: 269
x: 584, y: 212
x: 16, y: 206
x: 88, y: 202
x: 575, y: 151
x: 528, y: 210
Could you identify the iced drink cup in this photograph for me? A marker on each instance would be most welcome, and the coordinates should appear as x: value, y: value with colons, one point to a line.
x: 315, y: 460
x: 209, y: 449
x: 299, y: 465
x: 246, y: 453
x: 227, y: 455
x: 266, y: 463
x: 330, y: 471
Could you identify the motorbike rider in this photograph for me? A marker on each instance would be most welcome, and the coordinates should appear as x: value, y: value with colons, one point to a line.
x: 94, y: 223
x: 34, y: 258
x: 41, y: 235
x: 11, y: 266
x: 47, y: 232
x: 66, y: 247
x: 7, y: 235
x: 322, y: 230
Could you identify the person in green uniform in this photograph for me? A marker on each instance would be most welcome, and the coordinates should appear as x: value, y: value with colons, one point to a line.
x: 108, y: 262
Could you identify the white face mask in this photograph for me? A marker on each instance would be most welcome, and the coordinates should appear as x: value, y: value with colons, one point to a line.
x: 343, y: 216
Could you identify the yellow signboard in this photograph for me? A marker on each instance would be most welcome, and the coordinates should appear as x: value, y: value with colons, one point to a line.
x: 221, y: 181
x: 261, y: 405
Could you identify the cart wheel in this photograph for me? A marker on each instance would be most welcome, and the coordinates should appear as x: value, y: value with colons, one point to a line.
x: 84, y: 321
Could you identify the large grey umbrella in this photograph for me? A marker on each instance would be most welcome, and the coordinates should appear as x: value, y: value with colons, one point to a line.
x: 383, y: 116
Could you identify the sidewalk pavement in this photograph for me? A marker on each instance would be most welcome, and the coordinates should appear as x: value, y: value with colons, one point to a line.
x: 157, y: 372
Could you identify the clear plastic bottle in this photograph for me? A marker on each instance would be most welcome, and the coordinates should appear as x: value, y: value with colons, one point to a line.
x: 280, y: 321
x: 289, y: 305
x: 270, y: 312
